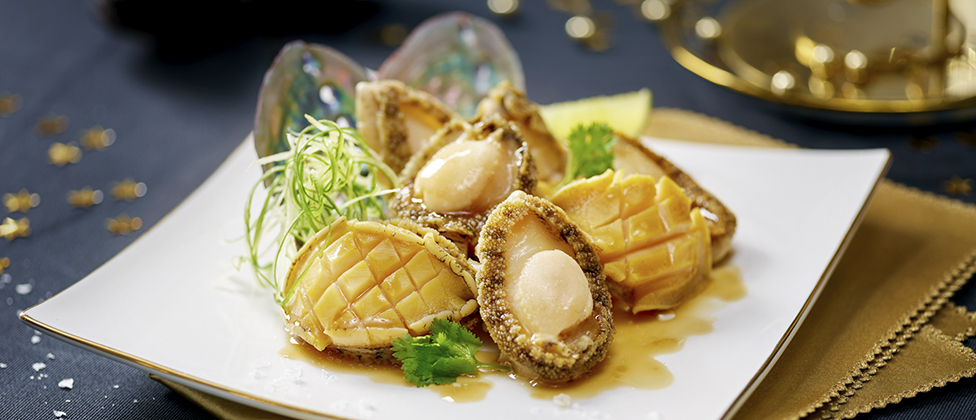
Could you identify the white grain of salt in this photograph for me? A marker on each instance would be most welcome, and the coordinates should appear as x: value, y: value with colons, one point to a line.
x: 67, y: 383
x: 25, y: 288
x: 38, y: 366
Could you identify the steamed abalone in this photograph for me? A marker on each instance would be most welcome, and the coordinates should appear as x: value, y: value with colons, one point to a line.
x: 654, y: 247
x: 634, y: 158
x: 356, y: 286
x: 509, y: 103
x: 397, y: 121
x: 541, y: 290
x: 466, y: 170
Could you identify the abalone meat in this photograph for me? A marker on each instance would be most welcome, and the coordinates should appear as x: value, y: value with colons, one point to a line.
x: 654, y: 247
x: 507, y: 102
x: 466, y: 170
x: 356, y: 286
x: 634, y: 158
x: 397, y: 121
x: 541, y: 291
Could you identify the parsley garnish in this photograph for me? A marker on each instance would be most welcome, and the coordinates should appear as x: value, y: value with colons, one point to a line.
x: 590, y: 150
x: 440, y: 357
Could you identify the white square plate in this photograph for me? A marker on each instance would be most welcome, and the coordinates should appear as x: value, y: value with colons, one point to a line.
x: 172, y: 304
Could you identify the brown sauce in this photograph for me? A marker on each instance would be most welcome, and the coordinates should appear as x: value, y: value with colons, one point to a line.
x: 629, y: 363
x: 641, y: 337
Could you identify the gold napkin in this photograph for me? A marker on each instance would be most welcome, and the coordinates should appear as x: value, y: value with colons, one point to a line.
x: 881, y: 331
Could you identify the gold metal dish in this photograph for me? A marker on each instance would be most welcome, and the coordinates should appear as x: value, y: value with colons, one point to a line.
x: 860, y: 56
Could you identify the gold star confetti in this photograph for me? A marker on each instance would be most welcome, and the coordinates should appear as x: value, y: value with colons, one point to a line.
x: 13, y: 229
x: 51, y: 125
x: 958, y: 186
x: 85, y: 198
x: 97, y: 138
x: 128, y: 190
x: 967, y: 139
x: 925, y: 145
x: 123, y: 225
x: 9, y: 104
x: 576, y: 7
x: 22, y: 201
x: 4, y: 263
x: 393, y: 34
x: 61, y: 154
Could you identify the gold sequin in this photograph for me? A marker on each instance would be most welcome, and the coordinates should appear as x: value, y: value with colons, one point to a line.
x: 926, y: 144
x: 4, y: 263
x: 97, y: 138
x: 9, y: 104
x: 22, y: 201
x: 393, y: 34
x: 13, y: 229
x: 85, y: 197
x: 61, y: 154
x: 128, y: 190
x: 51, y: 125
x: 123, y: 225
x: 576, y: 7
x: 958, y: 186
x: 967, y: 139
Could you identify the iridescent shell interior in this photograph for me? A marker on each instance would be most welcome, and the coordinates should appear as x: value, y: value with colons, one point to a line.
x: 304, y: 79
x: 456, y: 57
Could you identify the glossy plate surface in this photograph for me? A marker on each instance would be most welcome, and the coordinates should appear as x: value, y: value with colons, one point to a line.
x: 172, y: 303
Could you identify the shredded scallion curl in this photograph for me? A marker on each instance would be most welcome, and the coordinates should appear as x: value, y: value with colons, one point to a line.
x: 328, y: 171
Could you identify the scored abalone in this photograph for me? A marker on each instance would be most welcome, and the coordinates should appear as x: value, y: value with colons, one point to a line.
x: 465, y: 171
x: 633, y: 157
x: 541, y: 290
x: 356, y: 286
x: 654, y: 247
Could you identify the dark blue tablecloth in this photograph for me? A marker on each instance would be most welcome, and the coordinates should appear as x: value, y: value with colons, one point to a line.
x: 179, y: 109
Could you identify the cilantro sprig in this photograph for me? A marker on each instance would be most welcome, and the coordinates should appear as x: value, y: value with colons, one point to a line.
x: 440, y: 357
x: 590, y: 150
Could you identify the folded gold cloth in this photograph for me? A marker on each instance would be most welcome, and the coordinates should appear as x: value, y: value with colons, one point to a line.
x: 883, y: 328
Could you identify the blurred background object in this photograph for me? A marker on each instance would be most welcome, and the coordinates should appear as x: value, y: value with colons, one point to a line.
x: 907, y: 57
x: 178, y: 26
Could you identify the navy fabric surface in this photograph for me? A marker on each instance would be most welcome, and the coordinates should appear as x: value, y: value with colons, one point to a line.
x: 177, y: 119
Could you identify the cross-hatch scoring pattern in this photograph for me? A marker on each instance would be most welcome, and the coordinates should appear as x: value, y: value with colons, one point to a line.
x: 383, y: 284
x: 650, y: 240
